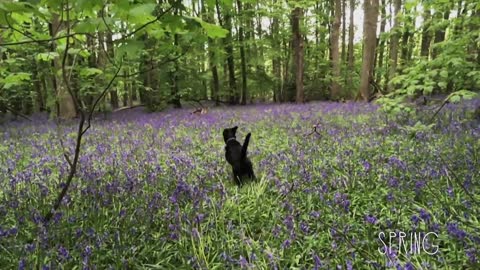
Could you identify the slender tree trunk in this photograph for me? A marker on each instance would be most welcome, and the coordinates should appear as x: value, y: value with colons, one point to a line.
x: 407, y: 39
x: 297, y: 15
x: 276, y: 61
x: 426, y: 35
x: 381, y: 49
x: 369, y: 42
x: 344, y: 31
x: 335, y: 56
x: 259, y: 67
x: 174, y: 91
x: 229, y: 51
x: 39, y: 104
x: 208, y: 17
x: 440, y: 33
x: 242, y: 53
x: 351, y: 60
x: 110, y: 51
x: 66, y: 105
x: 461, y: 12
x: 394, y: 43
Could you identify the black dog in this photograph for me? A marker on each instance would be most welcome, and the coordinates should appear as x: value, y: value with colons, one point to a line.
x: 236, y: 155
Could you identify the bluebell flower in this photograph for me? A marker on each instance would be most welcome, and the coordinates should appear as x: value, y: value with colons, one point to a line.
x: 415, y: 219
x: 371, y: 219
x: 424, y: 215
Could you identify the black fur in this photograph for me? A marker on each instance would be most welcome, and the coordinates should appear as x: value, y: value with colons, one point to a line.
x: 236, y: 155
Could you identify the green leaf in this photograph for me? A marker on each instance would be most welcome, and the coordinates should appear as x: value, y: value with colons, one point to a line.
x: 86, y: 26
x: 86, y: 72
x: 15, y: 79
x: 212, y: 30
x: 142, y: 10
x: 427, y: 90
x: 130, y: 49
x: 46, y: 56
x: 444, y: 74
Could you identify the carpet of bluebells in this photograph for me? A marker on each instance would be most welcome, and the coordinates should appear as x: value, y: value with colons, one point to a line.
x: 153, y: 190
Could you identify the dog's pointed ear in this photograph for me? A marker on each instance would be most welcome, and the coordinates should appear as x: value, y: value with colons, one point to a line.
x: 235, y: 128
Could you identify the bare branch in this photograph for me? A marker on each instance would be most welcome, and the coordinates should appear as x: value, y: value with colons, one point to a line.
x: 100, y: 97
x: 445, y: 102
x: 80, y: 132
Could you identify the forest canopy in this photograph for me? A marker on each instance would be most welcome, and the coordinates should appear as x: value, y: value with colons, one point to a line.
x: 232, y: 52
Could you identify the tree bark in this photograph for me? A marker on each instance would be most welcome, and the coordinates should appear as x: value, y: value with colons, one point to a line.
x: 381, y: 49
x: 334, y: 48
x: 174, y: 91
x: 113, y: 91
x: 66, y: 105
x: 229, y: 51
x: 351, y: 60
x: 211, y: 56
x: 37, y: 85
x: 276, y: 61
x: 344, y: 31
x: 407, y: 39
x: 369, y: 42
x: 242, y: 53
x: 298, y: 53
x: 394, y: 43
x: 440, y: 33
x: 426, y: 35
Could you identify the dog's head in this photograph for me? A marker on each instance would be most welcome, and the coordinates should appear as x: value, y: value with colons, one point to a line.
x: 229, y: 133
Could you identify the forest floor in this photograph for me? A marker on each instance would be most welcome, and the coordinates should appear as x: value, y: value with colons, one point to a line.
x: 153, y: 190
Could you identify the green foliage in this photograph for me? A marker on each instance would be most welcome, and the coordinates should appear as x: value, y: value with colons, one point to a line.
x: 15, y: 79
x: 213, y: 31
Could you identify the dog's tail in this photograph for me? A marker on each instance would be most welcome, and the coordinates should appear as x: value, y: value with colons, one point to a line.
x: 245, y: 145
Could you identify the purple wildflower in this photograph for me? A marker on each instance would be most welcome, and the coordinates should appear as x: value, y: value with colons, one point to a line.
x: 456, y: 232
x: 415, y: 220
x: 424, y: 215
x: 63, y: 253
x: 371, y: 219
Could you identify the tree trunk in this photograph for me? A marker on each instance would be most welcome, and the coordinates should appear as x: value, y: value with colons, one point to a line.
x: 66, y: 105
x: 407, y: 39
x: 381, y: 49
x: 369, y: 42
x: 426, y: 35
x: 39, y: 102
x: 242, y: 54
x: 351, y: 60
x: 208, y: 17
x: 260, y: 68
x: 276, y: 61
x: 440, y: 33
x: 394, y: 43
x: 344, y: 31
x: 174, y: 91
x: 298, y: 53
x: 229, y: 51
x: 113, y: 91
x: 335, y: 56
